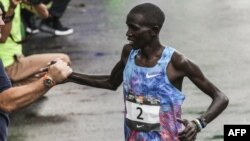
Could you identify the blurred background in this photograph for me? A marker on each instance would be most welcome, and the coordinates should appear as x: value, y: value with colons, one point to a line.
x: 215, y: 34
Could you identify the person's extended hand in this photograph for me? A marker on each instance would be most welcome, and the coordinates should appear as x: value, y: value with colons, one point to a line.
x: 44, y: 70
x: 59, y: 71
x: 190, y: 131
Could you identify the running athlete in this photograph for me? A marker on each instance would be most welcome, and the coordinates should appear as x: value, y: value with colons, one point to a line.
x: 152, y: 75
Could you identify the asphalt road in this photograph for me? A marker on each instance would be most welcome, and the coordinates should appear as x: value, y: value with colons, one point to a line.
x: 215, y: 34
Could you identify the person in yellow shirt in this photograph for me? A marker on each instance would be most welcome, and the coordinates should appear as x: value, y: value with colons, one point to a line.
x: 20, y: 69
x: 15, y: 98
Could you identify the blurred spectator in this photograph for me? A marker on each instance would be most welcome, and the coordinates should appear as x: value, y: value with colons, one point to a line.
x: 50, y: 24
x: 20, y: 69
x: 15, y: 98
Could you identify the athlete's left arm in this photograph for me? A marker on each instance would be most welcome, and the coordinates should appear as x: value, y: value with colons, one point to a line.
x: 193, y: 72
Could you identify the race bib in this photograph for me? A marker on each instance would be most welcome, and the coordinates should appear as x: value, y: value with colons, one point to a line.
x: 142, y: 113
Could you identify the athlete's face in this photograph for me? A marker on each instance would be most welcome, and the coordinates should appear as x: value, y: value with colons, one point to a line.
x: 138, y: 33
x: 1, y: 22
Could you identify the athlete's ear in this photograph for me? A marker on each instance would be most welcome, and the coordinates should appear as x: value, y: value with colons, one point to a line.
x: 155, y: 30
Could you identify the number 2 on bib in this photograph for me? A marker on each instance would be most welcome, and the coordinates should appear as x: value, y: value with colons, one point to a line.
x: 139, y: 115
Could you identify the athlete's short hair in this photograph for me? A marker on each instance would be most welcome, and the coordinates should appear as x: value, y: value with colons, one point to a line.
x: 153, y: 15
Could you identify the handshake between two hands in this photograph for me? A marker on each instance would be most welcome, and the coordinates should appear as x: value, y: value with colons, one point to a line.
x: 57, y: 69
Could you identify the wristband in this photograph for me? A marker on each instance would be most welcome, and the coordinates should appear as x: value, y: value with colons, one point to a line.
x: 202, y: 121
x: 198, y: 124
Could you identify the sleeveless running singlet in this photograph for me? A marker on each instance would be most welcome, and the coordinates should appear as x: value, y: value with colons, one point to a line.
x: 152, y: 103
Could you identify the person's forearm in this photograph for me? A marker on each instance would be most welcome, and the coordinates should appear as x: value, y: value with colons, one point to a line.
x: 216, y: 107
x: 42, y: 10
x: 98, y: 81
x: 18, y: 97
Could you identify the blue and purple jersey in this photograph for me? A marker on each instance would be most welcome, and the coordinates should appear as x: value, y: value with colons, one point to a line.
x: 152, y: 103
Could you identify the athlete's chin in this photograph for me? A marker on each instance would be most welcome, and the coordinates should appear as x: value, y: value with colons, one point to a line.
x: 132, y: 44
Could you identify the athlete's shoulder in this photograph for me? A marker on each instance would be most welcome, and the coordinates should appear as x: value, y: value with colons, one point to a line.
x: 178, y: 59
x: 126, y: 50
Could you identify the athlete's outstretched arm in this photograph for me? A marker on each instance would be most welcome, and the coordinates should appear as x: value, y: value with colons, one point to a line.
x: 219, y: 99
x: 112, y: 81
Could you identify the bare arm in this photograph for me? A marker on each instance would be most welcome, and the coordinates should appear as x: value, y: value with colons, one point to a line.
x: 193, y: 72
x: 18, y: 97
x: 219, y: 100
x: 42, y: 10
x: 112, y: 81
x: 38, y: 8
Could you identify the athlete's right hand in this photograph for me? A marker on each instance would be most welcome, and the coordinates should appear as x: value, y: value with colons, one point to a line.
x: 190, y: 131
x: 59, y: 71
